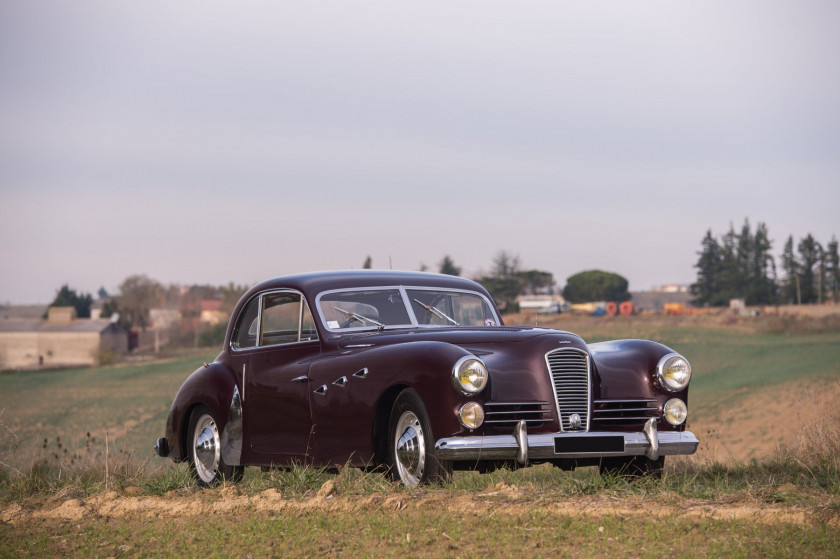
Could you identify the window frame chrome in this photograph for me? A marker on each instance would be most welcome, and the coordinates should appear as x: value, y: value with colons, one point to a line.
x: 403, y: 289
x: 260, y: 296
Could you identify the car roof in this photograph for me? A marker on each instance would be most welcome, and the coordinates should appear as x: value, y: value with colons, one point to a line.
x: 316, y: 282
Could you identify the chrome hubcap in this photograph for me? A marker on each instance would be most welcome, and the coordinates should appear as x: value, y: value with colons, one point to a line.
x: 410, y: 449
x: 207, y: 448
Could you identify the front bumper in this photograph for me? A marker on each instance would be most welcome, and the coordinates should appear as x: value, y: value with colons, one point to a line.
x: 593, y: 444
x: 162, y: 447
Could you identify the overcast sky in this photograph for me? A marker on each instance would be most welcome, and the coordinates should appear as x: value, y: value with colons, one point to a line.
x: 199, y: 142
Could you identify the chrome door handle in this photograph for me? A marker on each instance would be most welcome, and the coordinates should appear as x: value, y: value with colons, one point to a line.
x: 304, y: 378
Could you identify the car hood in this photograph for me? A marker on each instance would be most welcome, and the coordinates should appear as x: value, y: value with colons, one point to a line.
x: 461, y: 336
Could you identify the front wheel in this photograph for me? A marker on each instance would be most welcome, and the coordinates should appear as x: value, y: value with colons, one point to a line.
x: 206, y: 463
x: 411, y: 444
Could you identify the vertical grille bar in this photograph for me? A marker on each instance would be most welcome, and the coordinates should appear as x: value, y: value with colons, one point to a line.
x: 570, y: 379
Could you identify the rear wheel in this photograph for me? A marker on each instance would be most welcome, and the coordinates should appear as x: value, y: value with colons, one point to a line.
x: 205, y: 449
x: 632, y: 467
x: 411, y: 444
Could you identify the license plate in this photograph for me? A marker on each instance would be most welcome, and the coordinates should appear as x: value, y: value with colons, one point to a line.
x: 588, y: 444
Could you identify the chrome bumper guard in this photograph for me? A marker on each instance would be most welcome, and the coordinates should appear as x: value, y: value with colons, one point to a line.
x: 521, y: 446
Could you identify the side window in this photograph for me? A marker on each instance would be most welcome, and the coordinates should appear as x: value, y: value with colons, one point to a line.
x: 245, y: 333
x: 285, y: 319
x: 307, y: 325
x: 280, y: 318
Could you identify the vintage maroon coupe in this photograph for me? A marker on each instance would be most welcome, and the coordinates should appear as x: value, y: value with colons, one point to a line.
x: 416, y: 373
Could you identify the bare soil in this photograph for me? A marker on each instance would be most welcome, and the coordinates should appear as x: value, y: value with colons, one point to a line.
x: 502, y: 499
x: 766, y: 421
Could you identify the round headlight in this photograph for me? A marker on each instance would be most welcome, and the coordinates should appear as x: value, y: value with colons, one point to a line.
x: 674, y: 372
x: 469, y: 375
x: 675, y: 411
x: 471, y: 415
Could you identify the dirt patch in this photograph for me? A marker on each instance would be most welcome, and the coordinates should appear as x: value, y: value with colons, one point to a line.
x: 766, y: 420
x: 501, y: 500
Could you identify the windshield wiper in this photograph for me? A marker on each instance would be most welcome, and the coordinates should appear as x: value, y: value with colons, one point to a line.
x: 436, y: 312
x: 361, y: 318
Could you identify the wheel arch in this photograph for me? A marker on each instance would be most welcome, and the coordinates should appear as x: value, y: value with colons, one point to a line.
x: 211, y: 386
x: 382, y: 417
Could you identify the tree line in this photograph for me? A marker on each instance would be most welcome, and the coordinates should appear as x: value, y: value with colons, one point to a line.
x: 508, y: 279
x: 740, y: 265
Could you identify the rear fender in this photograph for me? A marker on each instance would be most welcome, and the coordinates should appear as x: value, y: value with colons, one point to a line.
x: 212, y: 386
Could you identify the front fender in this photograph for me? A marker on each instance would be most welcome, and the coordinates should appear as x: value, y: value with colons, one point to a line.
x: 211, y: 385
x: 344, y: 416
x: 626, y: 369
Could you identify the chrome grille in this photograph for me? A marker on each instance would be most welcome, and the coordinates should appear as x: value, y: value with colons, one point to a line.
x: 569, y: 370
x: 624, y: 412
x: 507, y: 414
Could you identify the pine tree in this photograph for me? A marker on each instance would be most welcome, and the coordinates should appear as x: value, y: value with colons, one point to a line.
x: 744, y: 275
x: 763, y: 267
x: 728, y: 275
x: 809, y: 258
x: 790, y: 265
x: 708, y: 268
x: 447, y: 266
x: 832, y: 270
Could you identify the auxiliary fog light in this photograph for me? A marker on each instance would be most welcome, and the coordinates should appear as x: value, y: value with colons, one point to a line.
x: 675, y: 411
x: 471, y: 415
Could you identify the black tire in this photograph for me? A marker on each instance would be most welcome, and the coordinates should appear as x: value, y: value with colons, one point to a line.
x: 205, y: 452
x: 409, y: 431
x: 632, y: 467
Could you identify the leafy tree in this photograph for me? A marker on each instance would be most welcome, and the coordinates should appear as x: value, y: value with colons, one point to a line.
x: 367, y: 263
x: 66, y: 297
x: 504, y: 282
x: 505, y: 265
x: 108, y: 309
x: 536, y: 282
x: 231, y: 293
x: 138, y: 295
x: 447, y: 266
x: 596, y: 285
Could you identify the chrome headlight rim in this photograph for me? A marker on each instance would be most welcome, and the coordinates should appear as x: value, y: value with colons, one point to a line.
x: 666, y: 383
x: 468, y: 389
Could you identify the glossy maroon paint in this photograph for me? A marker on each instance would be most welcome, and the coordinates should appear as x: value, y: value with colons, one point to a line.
x: 284, y: 420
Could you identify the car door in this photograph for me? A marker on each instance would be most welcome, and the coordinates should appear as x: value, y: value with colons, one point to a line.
x: 277, y: 420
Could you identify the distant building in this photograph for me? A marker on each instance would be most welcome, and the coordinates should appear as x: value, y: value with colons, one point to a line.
x: 546, y: 304
x: 62, y: 340
x: 211, y: 312
x: 671, y: 288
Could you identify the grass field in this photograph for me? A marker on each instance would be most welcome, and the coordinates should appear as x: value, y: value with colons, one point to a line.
x: 55, y: 497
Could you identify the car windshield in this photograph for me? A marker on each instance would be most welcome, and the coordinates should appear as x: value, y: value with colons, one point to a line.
x: 378, y: 308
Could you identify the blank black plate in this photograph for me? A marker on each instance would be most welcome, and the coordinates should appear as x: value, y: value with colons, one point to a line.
x: 588, y: 444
